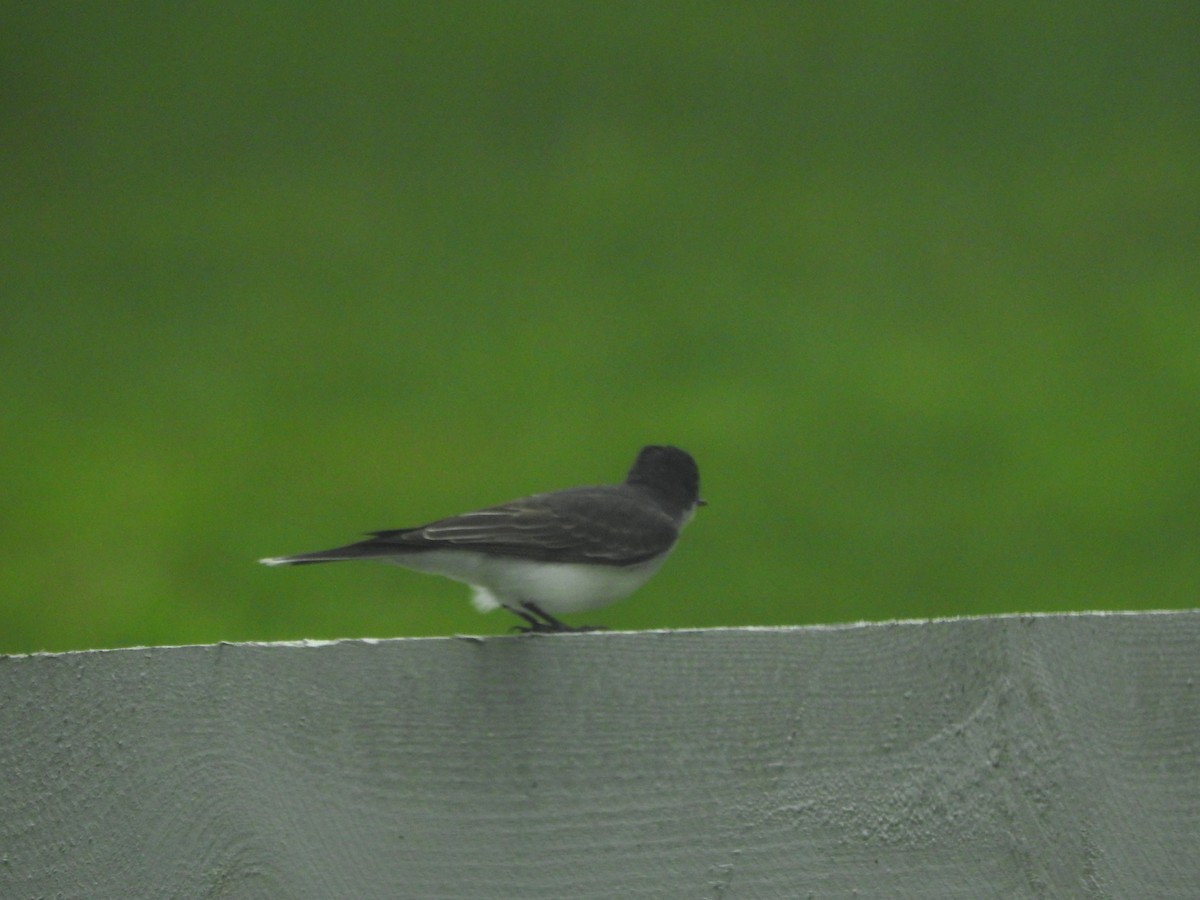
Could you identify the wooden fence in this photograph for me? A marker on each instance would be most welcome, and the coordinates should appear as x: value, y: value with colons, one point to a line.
x: 1007, y: 757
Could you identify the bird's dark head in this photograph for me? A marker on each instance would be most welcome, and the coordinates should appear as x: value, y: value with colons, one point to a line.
x: 670, y: 473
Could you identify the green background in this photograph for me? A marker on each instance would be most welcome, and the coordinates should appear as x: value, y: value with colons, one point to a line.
x: 915, y: 283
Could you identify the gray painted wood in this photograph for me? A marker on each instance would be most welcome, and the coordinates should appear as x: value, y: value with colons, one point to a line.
x: 1049, y: 756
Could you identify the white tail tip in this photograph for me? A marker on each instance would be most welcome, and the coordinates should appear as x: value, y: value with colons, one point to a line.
x: 275, y: 561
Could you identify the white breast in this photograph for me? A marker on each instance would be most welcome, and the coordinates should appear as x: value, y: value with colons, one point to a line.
x: 555, y: 587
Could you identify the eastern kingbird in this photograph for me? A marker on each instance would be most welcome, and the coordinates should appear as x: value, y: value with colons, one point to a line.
x: 561, y: 552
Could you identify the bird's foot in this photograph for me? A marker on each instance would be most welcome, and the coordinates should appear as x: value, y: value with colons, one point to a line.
x: 541, y: 622
x: 560, y: 628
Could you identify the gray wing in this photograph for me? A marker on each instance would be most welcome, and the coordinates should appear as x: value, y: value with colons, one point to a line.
x: 598, y: 525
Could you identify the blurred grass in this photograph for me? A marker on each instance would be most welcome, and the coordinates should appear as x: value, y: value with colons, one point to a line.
x: 916, y: 286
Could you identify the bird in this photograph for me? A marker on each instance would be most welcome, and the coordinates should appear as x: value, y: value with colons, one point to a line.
x: 549, y: 554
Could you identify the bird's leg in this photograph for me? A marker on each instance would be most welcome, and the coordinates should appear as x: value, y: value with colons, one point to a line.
x: 541, y: 621
x: 548, y: 621
x: 535, y: 626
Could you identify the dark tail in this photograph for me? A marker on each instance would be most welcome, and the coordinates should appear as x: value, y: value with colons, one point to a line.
x: 363, y: 550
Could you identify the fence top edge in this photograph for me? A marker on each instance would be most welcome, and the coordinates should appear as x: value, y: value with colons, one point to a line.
x: 308, y: 644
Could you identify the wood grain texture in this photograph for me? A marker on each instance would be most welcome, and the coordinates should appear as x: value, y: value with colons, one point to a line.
x: 1050, y: 756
